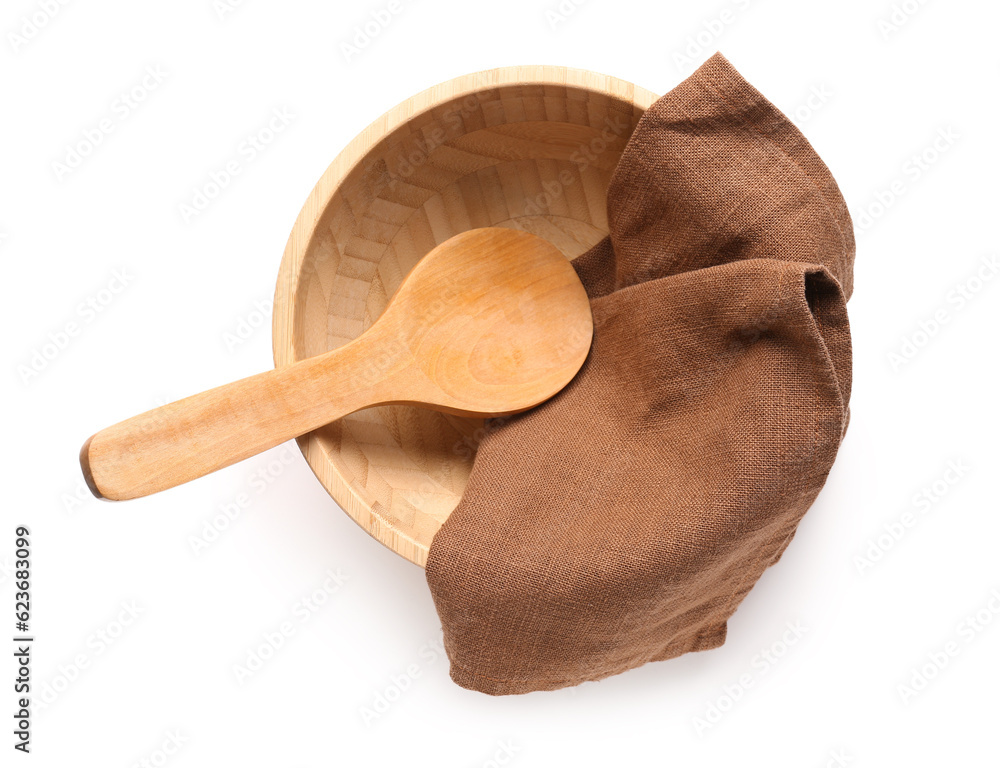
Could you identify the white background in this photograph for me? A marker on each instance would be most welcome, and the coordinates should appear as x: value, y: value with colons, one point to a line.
x: 889, y: 84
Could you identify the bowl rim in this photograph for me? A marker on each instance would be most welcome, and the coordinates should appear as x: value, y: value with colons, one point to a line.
x: 289, y: 271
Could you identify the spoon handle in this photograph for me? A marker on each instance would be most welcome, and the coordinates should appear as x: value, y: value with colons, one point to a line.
x: 187, y: 439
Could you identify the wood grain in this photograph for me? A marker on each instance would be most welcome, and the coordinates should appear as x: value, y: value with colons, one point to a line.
x: 489, y: 323
x: 526, y: 148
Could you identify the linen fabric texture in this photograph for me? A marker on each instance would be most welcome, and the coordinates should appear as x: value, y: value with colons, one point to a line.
x: 624, y: 520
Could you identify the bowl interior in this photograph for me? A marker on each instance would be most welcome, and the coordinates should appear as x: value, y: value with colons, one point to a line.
x: 530, y: 148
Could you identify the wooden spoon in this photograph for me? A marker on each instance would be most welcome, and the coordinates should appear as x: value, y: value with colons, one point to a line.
x: 491, y: 322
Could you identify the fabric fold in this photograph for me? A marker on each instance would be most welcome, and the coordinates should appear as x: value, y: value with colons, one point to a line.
x: 624, y: 520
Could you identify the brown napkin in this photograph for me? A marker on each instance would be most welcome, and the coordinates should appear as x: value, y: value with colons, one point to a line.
x: 624, y: 520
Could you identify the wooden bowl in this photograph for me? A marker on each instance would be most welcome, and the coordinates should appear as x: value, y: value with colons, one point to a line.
x: 531, y: 148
